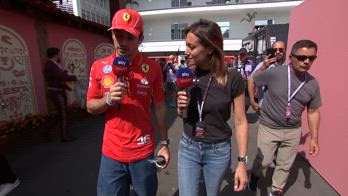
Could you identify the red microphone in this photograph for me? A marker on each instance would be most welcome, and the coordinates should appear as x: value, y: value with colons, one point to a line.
x: 184, y: 79
x: 120, y: 67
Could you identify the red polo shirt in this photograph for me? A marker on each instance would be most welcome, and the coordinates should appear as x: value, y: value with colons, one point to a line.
x: 128, y: 133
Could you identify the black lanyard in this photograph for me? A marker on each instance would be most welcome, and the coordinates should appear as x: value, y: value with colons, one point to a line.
x: 200, y: 106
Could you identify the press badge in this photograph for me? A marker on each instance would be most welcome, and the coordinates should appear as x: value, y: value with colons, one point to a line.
x: 200, y: 130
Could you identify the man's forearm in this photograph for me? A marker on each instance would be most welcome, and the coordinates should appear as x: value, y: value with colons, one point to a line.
x: 161, y: 114
x: 96, y: 106
x: 313, y: 122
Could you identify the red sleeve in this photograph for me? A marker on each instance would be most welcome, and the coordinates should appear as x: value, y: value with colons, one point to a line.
x: 158, y: 94
x: 94, y: 88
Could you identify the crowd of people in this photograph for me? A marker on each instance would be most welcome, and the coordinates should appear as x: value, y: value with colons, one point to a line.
x: 278, y: 91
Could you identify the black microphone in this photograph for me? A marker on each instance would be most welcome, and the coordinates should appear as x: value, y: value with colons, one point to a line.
x: 159, y: 161
x: 120, y: 67
x: 184, y: 79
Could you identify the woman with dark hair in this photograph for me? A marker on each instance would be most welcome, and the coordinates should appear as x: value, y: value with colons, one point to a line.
x: 206, y: 142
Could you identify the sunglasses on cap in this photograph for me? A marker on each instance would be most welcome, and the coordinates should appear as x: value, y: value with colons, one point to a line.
x: 279, y: 49
x: 303, y: 57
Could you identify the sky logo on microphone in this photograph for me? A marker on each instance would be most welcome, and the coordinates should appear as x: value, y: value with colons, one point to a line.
x: 184, y: 77
x: 121, y: 66
x: 121, y: 61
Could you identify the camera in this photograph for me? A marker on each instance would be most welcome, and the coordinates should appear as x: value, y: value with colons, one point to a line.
x: 271, y: 52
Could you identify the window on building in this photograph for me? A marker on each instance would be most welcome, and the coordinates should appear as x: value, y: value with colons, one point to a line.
x: 83, y: 13
x: 88, y: 15
x: 177, y: 31
x: 261, y: 23
x: 98, y: 19
x: 93, y: 17
x: 179, y: 3
x: 225, y: 28
x: 102, y: 20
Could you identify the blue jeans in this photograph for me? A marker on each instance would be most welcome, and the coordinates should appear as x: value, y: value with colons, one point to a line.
x: 115, y: 177
x: 194, y: 157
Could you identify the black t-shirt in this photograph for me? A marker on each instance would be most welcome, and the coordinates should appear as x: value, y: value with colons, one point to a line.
x: 217, y: 106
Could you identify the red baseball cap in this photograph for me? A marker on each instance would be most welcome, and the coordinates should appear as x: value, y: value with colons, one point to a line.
x: 128, y: 20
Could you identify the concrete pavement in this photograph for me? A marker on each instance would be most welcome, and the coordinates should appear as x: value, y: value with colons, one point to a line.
x: 52, y: 168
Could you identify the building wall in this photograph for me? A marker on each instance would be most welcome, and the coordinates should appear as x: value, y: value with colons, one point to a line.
x: 331, y: 70
x: 25, y: 27
x: 57, y: 34
x: 37, y: 35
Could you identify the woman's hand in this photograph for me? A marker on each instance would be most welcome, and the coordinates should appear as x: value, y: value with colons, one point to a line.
x: 240, y: 177
x: 182, y: 101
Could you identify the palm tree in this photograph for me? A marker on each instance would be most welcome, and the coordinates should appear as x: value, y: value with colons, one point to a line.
x: 249, y: 17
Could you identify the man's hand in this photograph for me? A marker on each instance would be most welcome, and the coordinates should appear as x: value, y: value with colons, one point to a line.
x: 314, y: 147
x: 268, y: 61
x: 117, y: 92
x: 313, y: 116
x: 256, y: 106
x: 164, y: 151
x: 240, y: 177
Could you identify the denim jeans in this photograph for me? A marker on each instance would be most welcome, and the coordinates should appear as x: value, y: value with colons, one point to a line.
x: 194, y: 157
x: 115, y: 177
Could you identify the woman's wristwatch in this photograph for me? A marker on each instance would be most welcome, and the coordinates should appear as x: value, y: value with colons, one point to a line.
x: 243, y: 159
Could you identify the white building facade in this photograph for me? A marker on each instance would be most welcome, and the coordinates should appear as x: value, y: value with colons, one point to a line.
x: 93, y: 10
x: 165, y: 20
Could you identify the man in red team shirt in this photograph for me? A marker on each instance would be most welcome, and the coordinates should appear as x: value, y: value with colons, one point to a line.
x: 128, y: 143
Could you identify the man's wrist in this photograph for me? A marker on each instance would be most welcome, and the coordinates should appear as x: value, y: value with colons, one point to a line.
x: 165, y: 142
x: 107, y: 99
x: 263, y: 67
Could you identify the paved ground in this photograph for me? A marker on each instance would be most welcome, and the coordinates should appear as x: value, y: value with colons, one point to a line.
x: 52, y: 168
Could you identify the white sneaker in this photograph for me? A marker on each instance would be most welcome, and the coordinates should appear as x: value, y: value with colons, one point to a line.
x: 6, y: 188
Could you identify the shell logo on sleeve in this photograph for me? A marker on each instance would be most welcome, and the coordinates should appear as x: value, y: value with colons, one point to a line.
x: 107, y: 81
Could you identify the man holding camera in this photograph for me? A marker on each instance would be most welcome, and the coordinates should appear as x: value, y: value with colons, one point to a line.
x: 274, y: 58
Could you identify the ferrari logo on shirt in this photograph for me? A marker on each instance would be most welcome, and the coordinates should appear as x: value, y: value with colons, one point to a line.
x: 145, y: 68
x: 126, y: 17
x: 107, y: 81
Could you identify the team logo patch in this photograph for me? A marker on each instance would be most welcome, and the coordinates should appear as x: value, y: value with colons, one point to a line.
x: 107, y: 81
x: 145, y: 68
x: 126, y: 17
x: 107, y: 69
